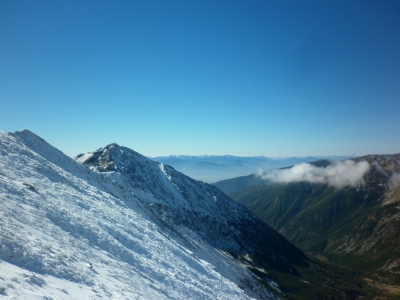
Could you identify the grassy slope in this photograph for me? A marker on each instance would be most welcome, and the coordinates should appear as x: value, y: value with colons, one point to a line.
x: 355, y: 227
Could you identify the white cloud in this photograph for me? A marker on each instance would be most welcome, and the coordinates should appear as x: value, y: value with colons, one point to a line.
x: 394, y: 179
x: 337, y: 174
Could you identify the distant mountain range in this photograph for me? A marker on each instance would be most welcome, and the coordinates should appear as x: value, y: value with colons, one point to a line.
x: 213, y: 168
x: 356, y: 227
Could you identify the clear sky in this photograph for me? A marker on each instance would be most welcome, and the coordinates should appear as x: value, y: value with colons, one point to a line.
x: 251, y: 77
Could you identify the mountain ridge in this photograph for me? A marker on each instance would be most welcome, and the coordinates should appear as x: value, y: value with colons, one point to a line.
x: 353, y: 226
x: 114, y: 217
x: 188, y: 201
x: 71, y: 233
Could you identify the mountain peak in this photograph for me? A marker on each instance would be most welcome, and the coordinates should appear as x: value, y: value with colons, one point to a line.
x: 27, y: 135
x: 182, y: 201
x: 111, y: 158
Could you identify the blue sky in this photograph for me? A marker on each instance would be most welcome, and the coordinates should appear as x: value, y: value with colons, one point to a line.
x: 273, y: 78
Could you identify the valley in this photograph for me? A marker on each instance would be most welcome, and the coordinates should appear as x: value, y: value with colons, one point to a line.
x: 352, y: 227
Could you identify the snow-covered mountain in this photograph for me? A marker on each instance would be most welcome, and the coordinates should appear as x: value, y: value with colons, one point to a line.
x: 183, y: 202
x: 114, y: 224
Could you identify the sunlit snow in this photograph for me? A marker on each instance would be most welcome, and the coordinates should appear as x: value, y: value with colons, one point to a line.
x: 67, y: 232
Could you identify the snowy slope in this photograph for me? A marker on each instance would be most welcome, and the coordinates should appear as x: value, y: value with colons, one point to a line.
x: 181, y: 202
x: 67, y: 232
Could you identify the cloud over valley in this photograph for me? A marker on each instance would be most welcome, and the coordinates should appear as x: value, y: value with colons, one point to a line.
x: 337, y: 174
